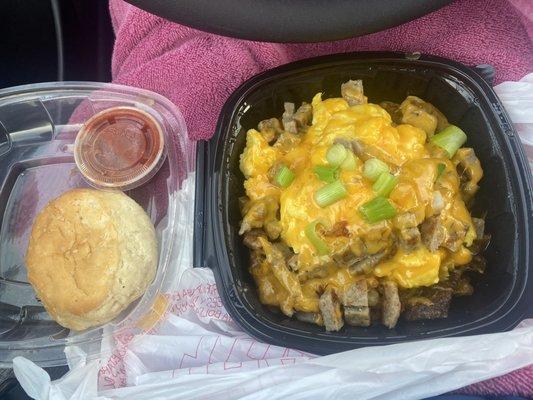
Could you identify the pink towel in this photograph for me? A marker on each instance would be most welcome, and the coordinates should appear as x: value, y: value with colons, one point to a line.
x: 198, y: 71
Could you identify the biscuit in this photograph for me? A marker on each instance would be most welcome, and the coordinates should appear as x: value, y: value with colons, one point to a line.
x: 91, y: 253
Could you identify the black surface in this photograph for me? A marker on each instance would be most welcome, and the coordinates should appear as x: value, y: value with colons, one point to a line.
x: 87, y: 40
x: 499, y: 301
x: 30, y: 41
x: 29, y: 46
x: 290, y: 20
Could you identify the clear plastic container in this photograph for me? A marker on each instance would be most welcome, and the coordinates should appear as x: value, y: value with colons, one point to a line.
x: 38, y: 128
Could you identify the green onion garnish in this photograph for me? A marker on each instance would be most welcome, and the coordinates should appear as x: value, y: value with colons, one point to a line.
x: 349, y: 162
x: 330, y: 193
x: 450, y: 139
x: 373, y: 168
x: 320, y: 246
x: 326, y: 174
x: 284, y: 176
x: 440, y: 170
x: 336, y: 154
x: 377, y: 209
x: 384, y: 184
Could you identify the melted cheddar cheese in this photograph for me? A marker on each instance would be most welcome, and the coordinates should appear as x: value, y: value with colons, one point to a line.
x: 404, y: 148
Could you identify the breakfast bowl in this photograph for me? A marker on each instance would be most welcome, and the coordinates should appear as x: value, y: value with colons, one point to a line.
x: 499, y: 301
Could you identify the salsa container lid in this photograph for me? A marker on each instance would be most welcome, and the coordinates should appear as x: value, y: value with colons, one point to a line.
x: 500, y: 300
x: 119, y: 148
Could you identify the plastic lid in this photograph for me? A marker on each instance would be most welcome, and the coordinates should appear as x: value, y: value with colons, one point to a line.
x: 119, y: 148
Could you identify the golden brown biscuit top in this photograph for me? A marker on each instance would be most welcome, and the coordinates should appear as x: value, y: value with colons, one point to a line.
x: 73, y: 253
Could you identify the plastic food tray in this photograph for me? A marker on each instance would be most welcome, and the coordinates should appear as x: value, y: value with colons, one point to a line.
x: 500, y: 298
x: 38, y: 127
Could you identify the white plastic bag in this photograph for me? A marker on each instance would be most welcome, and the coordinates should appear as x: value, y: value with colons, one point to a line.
x: 517, y: 97
x: 197, y: 352
x: 400, y: 371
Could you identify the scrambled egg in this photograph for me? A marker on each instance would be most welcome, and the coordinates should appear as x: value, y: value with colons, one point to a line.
x: 403, y: 147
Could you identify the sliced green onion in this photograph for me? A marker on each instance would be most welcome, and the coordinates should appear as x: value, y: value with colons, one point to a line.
x: 330, y: 193
x: 349, y: 162
x: 284, y: 176
x: 384, y: 184
x: 440, y: 170
x: 373, y: 168
x: 377, y: 209
x: 326, y: 174
x: 319, y: 244
x: 336, y: 154
x: 450, y: 139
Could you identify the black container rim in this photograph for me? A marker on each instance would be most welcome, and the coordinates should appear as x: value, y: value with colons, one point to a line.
x: 210, y: 241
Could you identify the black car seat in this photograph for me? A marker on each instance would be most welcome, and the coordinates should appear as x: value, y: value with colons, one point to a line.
x: 55, y: 40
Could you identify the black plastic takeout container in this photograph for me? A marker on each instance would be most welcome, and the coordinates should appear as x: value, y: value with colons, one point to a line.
x: 500, y: 298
